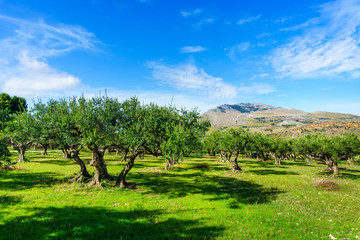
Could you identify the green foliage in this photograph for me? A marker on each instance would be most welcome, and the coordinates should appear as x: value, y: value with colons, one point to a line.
x: 5, y: 154
x: 21, y: 128
x: 212, y: 142
x: 10, y: 105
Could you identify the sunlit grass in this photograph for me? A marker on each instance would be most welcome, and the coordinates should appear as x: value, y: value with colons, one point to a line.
x: 265, y: 202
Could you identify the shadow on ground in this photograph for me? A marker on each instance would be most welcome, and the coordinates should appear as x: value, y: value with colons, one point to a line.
x: 100, y: 223
x: 215, y: 188
x: 272, y: 172
x: 24, y: 180
x: 9, y: 200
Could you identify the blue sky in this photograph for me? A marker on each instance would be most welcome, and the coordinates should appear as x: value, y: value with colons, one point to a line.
x: 293, y: 54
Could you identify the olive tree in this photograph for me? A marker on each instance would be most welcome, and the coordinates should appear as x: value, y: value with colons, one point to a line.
x: 96, y: 120
x: 237, y: 142
x: 157, y: 131
x: 62, y: 122
x: 212, y: 142
x: 20, y: 131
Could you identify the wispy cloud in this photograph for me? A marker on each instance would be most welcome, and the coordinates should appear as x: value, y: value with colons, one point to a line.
x: 24, y: 69
x: 238, y: 49
x: 248, y: 20
x: 328, y: 45
x: 192, y: 13
x: 192, y: 49
x: 190, y: 77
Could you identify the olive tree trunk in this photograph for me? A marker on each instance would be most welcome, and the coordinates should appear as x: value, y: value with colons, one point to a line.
x: 124, y: 155
x: 84, y: 174
x: 21, y: 152
x: 329, y: 165
x: 235, y: 166
x: 66, y: 153
x: 100, y: 166
x: 21, y: 148
x: 277, y: 160
x: 45, y: 148
x: 169, y: 164
x: 120, y: 182
x: 335, y: 168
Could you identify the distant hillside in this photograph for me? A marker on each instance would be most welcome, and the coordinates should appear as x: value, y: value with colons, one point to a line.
x: 244, y: 107
x: 273, y: 119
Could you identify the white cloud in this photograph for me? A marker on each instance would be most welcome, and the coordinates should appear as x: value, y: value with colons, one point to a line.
x: 248, y: 20
x: 192, y: 49
x: 24, y: 69
x: 191, y: 13
x: 33, y: 78
x: 238, y: 49
x: 329, y: 44
x: 188, y: 76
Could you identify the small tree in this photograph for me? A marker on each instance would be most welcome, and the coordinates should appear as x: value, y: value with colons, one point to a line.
x: 212, y: 142
x: 261, y: 145
x: 237, y: 142
x: 279, y: 148
x: 20, y: 132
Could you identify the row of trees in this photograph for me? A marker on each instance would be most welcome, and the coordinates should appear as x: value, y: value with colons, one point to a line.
x: 102, y: 123
x: 330, y: 150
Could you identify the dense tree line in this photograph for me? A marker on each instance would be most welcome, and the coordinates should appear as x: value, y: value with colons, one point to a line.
x: 329, y: 150
x: 102, y: 123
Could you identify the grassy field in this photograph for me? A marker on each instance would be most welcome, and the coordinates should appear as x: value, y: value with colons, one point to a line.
x: 190, y: 202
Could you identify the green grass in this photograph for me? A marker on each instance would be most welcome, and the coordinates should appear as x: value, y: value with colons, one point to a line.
x: 265, y: 202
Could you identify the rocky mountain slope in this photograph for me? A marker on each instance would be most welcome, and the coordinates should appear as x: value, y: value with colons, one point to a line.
x: 264, y: 117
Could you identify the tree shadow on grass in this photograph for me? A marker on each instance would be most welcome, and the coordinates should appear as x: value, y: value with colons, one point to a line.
x: 100, y: 223
x: 216, y: 188
x: 6, y: 200
x: 273, y: 172
x: 57, y: 162
x: 23, y: 180
x: 344, y: 174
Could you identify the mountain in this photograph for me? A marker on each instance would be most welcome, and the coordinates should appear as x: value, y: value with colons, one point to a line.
x: 244, y: 107
x: 264, y: 117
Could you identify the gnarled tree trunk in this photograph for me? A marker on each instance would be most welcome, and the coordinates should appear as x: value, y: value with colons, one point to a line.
x: 100, y: 166
x: 277, y: 160
x: 21, y: 152
x: 66, y: 154
x: 84, y: 174
x: 169, y: 164
x: 335, y: 168
x: 124, y: 155
x: 45, y: 148
x: 235, y: 166
x: 120, y: 182
x: 21, y: 148
x: 329, y: 164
